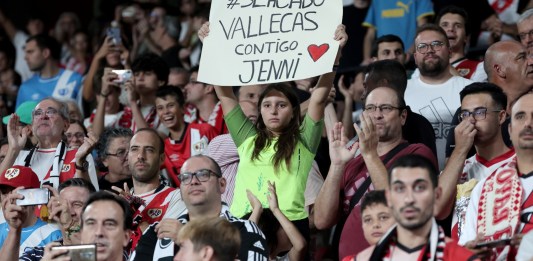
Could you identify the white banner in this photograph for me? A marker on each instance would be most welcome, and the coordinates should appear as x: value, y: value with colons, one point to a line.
x: 267, y: 41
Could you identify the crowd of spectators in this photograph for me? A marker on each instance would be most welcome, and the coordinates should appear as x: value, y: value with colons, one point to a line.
x: 417, y: 146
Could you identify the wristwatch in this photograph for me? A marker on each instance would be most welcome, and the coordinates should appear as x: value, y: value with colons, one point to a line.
x: 84, y: 166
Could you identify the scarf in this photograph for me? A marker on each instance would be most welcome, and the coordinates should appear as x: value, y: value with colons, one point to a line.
x: 499, y: 203
x: 57, y: 165
x: 433, y: 251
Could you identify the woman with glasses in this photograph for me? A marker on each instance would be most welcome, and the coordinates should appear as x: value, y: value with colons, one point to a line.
x: 112, y: 149
x: 75, y: 134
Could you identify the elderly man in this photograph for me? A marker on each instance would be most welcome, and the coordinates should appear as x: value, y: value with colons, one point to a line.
x: 525, y: 29
x: 50, y: 159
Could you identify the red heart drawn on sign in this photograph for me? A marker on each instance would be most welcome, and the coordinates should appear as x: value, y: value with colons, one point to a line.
x: 317, y: 51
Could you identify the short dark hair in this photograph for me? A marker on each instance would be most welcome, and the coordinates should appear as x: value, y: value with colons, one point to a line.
x: 108, y: 196
x: 151, y: 63
x: 386, y: 73
x: 175, y: 92
x: 77, y: 182
x: 452, y: 9
x: 434, y: 28
x: 373, y: 197
x: 161, y: 142
x: 416, y: 161
x: 45, y: 41
x: 495, y: 92
x: 388, y: 38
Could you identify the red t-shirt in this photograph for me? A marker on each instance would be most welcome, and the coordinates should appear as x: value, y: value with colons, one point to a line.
x: 193, y: 142
x: 216, y: 119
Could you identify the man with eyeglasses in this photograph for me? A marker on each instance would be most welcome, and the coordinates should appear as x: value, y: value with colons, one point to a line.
x: 482, y: 113
x: 500, y: 205
x: 435, y: 94
x: 50, y: 158
x: 150, y: 199
x: 201, y: 187
x: 525, y: 29
x: 380, y: 144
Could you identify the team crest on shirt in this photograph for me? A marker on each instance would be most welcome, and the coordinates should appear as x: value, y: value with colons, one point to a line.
x: 463, y: 72
x: 200, y: 146
x: 65, y: 168
x: 12, y: 173
x: 174, y: 157
x: 154, y: 213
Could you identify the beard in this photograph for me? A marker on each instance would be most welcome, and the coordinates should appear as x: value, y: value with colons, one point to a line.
x: 433, y: 68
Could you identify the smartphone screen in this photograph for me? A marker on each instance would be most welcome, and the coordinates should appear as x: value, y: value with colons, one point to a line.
x: 495, y: 243
x: 38, y: 196
x: 114, y: 33
x: 80, y: 252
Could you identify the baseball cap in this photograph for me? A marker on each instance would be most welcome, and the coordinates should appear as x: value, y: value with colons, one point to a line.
x: 20, y: 176
x: 24, y: 111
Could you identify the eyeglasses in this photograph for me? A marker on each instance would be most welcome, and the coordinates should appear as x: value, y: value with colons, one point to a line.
x: 522, y: 36
x: 119, y: 154
x: 424, y: 47
x: 478, y: 114
x: 384, y: 108
x: 202, y: 175
x: 78, y: 135
x: 50, y: 112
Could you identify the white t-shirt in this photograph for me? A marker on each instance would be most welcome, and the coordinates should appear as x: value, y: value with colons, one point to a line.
x: 438, y: 103
x: 43, y: 159
x: 19, y: 41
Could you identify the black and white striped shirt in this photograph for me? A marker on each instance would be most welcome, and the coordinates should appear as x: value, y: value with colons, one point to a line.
x: 253, y: 242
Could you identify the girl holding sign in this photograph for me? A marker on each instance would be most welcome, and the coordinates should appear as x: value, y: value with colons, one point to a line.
x: 281, y: 146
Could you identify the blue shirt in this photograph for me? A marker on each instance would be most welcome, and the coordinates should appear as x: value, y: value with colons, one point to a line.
x: 40, y: 234
x: 65, y: 85
x: 398, y: 17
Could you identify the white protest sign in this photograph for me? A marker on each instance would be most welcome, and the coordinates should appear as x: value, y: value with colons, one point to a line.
x: 267, y: 41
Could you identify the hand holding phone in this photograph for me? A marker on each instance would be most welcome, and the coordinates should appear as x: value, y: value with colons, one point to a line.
x: 123, y: 76
x: 32, y: 197
x: 79, y: 252
x: 114, y: 34
x: 494, y: 243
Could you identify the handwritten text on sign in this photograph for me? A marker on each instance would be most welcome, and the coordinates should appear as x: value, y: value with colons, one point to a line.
x: 266, y: 41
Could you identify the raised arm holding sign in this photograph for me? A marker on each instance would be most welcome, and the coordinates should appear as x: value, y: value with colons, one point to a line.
x: 260, y: 41
x: 281, y: 146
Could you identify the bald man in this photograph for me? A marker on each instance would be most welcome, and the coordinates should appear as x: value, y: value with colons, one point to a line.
x: 508, y: 66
